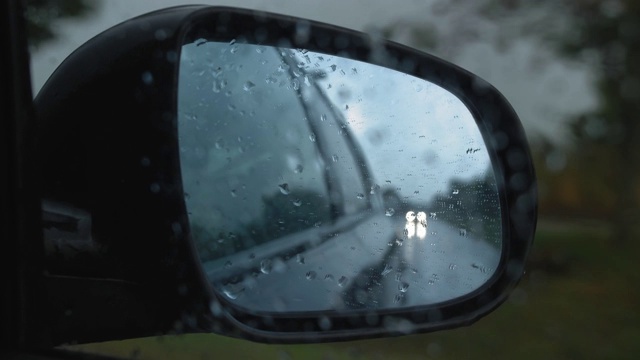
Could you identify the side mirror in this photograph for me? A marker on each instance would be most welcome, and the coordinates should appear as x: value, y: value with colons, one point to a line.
x: 221, y: 170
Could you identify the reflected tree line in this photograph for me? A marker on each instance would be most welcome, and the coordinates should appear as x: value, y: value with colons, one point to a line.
x: 472, y: 207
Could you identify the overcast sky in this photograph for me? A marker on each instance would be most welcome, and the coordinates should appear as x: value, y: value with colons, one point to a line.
x: 542, y: 95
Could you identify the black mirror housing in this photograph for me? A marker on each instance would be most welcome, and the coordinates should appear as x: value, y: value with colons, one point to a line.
x: 108, y: 148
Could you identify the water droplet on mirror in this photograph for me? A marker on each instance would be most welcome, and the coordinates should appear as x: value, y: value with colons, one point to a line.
x: 311, y: 275
x: 298, y: 169
x: 343, y: 281
x: 228, y: 264
x: 452, y: 266
x: 399, y: 276
x: 328, y: 277
x: 248, y: 86
x: 297, y: 202
x: 360, y: 196
x: 374, y: 189
x: 284, y: 189
x: 265, y: 266
x: 233, y: 193
x: 300, y: 259
x: 398, y: 298
x: 403, y: 287
x: 312, y: 137
x: 233, y: 291
x: 456, y: 192
x: 432, y: 215
x: 334, y: 158
x: 283, y: 67
x: 218, y: 85
x: 387, y: 269
x: 463, y: 232
x: 323, y: 117
x: 389, y: 212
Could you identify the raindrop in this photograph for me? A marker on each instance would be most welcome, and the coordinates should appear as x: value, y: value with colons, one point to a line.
x: 328, y: 277
x: 343, y: 281
x: 456, y: 192
x: 248, y: 86
x: 398, y: 298
x: 360, y: 196
x: 399, y: 277
x: 218, y: 85
x: 297, y: 202
x: 232, y: 292
x: 284, y: 188
x: 265, y: 266
x: 312, y: 137
x: 324, y: 323
x: 300, y: 259
x: 463, y: 232
x: 374, y: 189
x: 298, y: 169
x: 228, y: 264
x: 323, y: 117
x: 403, y: 286
x: 147, y: 78
x: 296, y: 84
x: 283, y: 67
x: 334, y: 158
x: 389, y: 212
x: 452, y: 266
x: 432, y: 215
x: 387, y: 269
x: 311, y: 275
x: 233, y: 193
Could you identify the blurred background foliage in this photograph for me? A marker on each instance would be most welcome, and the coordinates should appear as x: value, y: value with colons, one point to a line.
x: 42, y: 16
x: 579, y: 298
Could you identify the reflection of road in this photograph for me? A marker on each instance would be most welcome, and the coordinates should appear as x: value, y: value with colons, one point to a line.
x: 443, y: 265
x: 375, y: 265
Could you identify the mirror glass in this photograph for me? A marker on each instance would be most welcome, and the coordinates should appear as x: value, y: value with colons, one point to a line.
x: 314, y: 182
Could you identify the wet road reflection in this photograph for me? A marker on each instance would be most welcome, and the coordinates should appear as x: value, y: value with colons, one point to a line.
x: 379, y: 264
